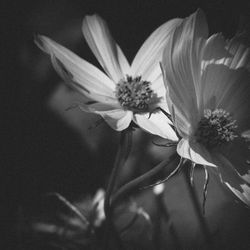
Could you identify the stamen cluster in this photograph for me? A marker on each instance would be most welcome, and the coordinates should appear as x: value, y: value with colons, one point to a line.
x: 135, y: 94
x: 215, y: 128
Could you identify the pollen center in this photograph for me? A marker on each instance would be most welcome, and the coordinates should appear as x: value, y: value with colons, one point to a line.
x: 135, y: 94
x: 215, y: 128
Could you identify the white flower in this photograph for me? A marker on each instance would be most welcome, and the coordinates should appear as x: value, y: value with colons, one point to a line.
x: 208, y: 87
x: 124, y: 93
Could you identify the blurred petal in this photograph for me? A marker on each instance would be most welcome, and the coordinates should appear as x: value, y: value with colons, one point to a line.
x: 98, y: 203
x: 107, y: 52
x: 246, y: 134
x: 79, y: 73
x: 146, y: 61
x: 194, y: 152
x: 181, y: 63
x: 157, y: 124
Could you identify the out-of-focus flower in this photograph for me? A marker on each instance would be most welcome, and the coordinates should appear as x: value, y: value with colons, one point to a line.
x: 98, y: 204
x: 208, y: 89
x: 158, y: 189
x: 126, y: 92
x: 73, y: 225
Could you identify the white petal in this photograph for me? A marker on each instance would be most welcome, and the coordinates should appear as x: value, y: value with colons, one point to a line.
x: 123, y: 62
x: 146, y: 61
x: 79, y: 73
x: 97, y: 107
x: 105, y: 49
x: 182, y: 66
x: 117, y: 119
x: 159, y: 88
x: 157, y: 124
x: 194, y: 152
x: 181, y: 123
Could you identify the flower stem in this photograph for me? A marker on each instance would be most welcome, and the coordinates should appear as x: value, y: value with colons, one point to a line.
x: 126, y: 189
x: 202, y: 221
x: 164, y: 214
x: 122, y: 154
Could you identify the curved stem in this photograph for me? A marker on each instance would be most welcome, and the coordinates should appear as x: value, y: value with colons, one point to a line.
x: 122, y: 154
x: 163, y: 213
x: 130, y: 186
x: 202, y: 221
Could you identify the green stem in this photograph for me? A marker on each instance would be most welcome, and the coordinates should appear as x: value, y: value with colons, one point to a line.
x: 126, y: 189
x: 122, y: 154
x: 195, y: 201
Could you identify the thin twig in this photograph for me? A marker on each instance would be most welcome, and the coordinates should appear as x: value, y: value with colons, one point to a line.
x: 72, y: 207
x: 202, y: 221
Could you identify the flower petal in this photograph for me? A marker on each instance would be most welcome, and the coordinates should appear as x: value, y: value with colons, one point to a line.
x: 157, y: 124
x: 215, y: 49
x: 107, y: 52
x: 182, y: 66
x: 246, y: 135
x: 232, y: 179
x: 194, y: 152
x: 147, y: 59
x: 226, y: 82
x: 229, y: 84
x: 158, y: 88
x: 117, y: 119
x: 228, y: 89
x: 81, y: 75
x: 123, y: 62
x: 241, y: 55
x: 242, y: 192
x: 213, y: 52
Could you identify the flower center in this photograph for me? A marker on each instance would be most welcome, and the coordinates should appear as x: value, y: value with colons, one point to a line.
x: 135, y: 94
x: 215, y: 128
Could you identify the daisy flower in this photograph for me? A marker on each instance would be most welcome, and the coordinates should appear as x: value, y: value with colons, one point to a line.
x: 123, y: 92
x: 208, y: 90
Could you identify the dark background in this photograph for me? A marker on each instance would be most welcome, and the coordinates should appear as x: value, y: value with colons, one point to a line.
x: 41, y: 153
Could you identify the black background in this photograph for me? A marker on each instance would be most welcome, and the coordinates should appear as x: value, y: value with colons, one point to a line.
x: 37, y: 147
